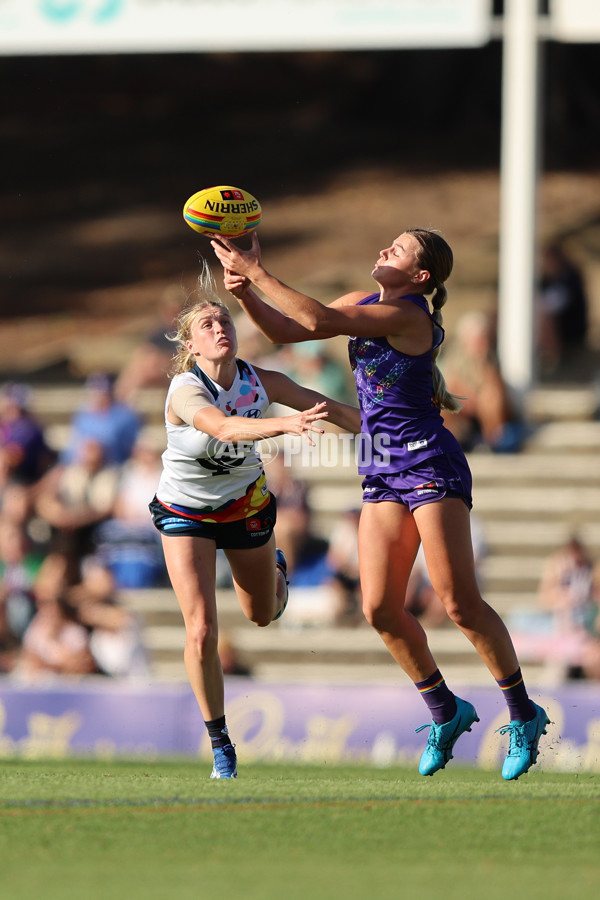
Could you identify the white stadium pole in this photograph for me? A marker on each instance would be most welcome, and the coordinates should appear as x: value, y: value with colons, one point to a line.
x: 518, y: 184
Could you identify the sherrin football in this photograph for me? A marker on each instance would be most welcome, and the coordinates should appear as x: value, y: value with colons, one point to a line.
x: 224, y: 210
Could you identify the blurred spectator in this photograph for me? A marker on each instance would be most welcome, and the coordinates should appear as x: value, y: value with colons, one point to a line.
x: 306, y: 551
x: 26, y: 455
x: 293, y: 513
x: 311, y: 366
x: 74, y: 498
x: 230, y: 659
x: 488, y: 418
x: 568, y: 590
x: 565, y: 629
x: 342, y: 559
x: 114, y: 424
x: 55, y: 642
x: 563, y: 309
x: 17, y: 505
x: 150, y: 361
x: 128, y: 542
x: 115, y: 636
x: 18, y: 569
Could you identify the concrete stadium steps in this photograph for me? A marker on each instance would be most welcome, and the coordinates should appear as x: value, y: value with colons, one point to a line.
x: 55, y: 402
x: 280, y: 653
x: 564, y: 403
x: 300, y: 648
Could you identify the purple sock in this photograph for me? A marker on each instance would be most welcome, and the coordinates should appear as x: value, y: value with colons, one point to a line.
x: 520, y: 707
x: 440, y: 700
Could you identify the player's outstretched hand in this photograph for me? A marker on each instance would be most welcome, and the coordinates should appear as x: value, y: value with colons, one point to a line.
x: 304, y: 422
x: 242, y: 262
x: 234, y: 283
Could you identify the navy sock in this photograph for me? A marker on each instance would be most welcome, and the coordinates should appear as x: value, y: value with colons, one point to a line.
x: 217, y: 732
x: 520, y: 707
x: 440, y: 700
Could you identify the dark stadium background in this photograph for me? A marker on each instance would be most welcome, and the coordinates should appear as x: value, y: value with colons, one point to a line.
x: 92, y: 137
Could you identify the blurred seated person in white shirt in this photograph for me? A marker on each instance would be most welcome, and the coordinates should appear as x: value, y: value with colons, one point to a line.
x: 115, y: 635
x: 55, y: 642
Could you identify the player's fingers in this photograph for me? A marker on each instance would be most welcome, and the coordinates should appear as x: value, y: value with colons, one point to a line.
x: 317, y: 407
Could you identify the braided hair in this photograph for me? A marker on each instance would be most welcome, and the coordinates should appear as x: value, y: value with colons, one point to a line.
x: 436, y: 257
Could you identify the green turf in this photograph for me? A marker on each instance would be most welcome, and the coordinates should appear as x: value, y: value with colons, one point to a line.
x: 163, y: 830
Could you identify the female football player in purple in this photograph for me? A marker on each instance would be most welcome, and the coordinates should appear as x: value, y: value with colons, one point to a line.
x: 417, y: 482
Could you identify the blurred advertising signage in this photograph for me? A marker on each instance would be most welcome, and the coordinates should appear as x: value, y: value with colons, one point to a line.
x: 576, y: 21
x: 29, y: 27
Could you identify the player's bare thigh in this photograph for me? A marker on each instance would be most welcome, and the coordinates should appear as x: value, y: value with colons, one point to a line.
x: 191, y: 564
x: 445, y: 530
x: 255, y: 579
x: 388, y: 541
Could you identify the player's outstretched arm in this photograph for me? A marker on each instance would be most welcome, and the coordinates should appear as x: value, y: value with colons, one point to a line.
x: 275, y: 325
x: 343, y: 316
x: 282, y: 389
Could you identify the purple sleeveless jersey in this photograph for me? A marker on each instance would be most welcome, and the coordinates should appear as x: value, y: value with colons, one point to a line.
x: 400, y: 426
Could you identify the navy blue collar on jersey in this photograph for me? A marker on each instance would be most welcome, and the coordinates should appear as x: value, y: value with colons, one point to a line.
x: 207, y: 381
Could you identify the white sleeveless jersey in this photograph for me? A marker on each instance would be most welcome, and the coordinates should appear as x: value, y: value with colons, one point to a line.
x: 221, y: 481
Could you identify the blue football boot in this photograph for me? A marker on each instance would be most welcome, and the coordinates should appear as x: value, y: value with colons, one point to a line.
x: 225, y: 762
x: 442, y: 738
x: 524, y: 738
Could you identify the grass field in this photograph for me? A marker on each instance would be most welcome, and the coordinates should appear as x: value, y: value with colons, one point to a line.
x: 79, y: 829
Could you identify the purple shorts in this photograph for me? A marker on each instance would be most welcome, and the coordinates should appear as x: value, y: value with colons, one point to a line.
x: 431, y: 480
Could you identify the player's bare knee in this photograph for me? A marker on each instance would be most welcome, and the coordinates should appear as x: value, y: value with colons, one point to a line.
x: 202, y: 639
x: 261, y: 617
x: 379, y: 617
x: 463, y: 615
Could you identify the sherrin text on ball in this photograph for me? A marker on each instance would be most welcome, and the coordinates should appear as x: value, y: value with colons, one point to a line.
x: 224, y: 210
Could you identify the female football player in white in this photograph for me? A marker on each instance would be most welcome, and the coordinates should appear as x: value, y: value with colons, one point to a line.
x: 213, y: 492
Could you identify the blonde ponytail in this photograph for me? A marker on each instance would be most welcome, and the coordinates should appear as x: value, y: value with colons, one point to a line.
x: 206, y: 291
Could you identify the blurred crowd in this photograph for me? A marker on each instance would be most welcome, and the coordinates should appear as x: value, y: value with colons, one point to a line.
x: 74, y: 532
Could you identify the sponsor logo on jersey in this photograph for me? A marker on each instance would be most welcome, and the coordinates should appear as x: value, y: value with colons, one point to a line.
x: 429, y: 487
x: 258, y: 526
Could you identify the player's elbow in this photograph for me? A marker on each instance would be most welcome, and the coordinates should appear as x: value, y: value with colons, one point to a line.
x: 224, y: 434
x: 314, y: 323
